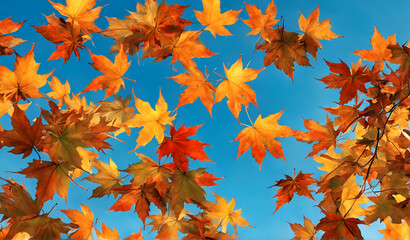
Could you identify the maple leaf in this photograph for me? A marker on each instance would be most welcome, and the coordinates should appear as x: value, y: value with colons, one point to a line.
x: 112, y: 79
x: 400, y: 55
x: 337, y: 227
x: 289, y: 186
x: 148, y: 171
x: 261, y: 136
x: 283, y: 48
x: 152, y: 23
x: 326, y: 135
x: 16, y: 203
x: 187, y: 186
x: 65, y: 35
x: 108, y: 177
x: 183, y: 48
x: 349, y: 80
x: 152, y: 121
x: 261, y: 22
x: 223, y: 212
x: 6, y: 106
x: 136, y: 236
x: 51, y: 177
x: 314, y: 31
x: 380, y: 51
x: 83, y: 221
x: 59, y: 91
x: 63, y: 140
x: 140, y: 196
x: 23, y: 137
x: 180, y: 147
x: 7, y: 42
x: 234, y: 88
x: 214, y: 20
x: 347, y: 116
x: 396, y: 231
x: 117, y: 112
x: 307, y: 231
x: 168, y: 224
x: 24, y: 81
x: 107, y: 233
x: 198, y: 86
x: 383, y: 208
x: 80, y: 12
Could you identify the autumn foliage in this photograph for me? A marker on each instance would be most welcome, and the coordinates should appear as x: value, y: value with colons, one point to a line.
x: 366, y: 172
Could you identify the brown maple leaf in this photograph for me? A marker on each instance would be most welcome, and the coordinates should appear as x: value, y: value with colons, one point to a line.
x: 51, y: 177
x: 289, y: 186
x: 338, y: 227
x: 283, y: 48
x: 23, y: 137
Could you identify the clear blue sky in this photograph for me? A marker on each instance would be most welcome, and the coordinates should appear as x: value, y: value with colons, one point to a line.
x: 352, y: 19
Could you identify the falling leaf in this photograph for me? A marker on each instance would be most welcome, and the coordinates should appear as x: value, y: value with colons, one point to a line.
x: 214, y: 20
x: 261, y: 22
x: 261, y: 136
x: 234, y: 87
x: 83, y: 221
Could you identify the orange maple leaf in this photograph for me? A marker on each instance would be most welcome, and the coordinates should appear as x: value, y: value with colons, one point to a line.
x: 234, y: 88
x: 83, y: 221
x: 289, y: 186
x: 51, y: 177
x: 223, y: 212
x: 326, y: 135
x: 140, y: 196
x: 314, y: 31
x: 349, y: 80
x: 7, y: 42
x: 261, y: 136
x: 198, y: 86
x: 307, y: 231
x: 261, y: 22
x: 380, y: 51
x: 80, y: 12
x: 112, y: 80
x: 107, y: 233
x: 65, y: 35
x: 214, y: 20
x: 24, y: 81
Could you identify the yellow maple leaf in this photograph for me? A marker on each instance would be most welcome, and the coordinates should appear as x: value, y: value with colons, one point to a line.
x: 223, y: 212
x: 153, y: 122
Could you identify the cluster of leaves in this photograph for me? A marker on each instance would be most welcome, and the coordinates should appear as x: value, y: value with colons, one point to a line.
x: 373, y: 115
x: 72, y: 131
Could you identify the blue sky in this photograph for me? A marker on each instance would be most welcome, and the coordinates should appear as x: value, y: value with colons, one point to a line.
x: 354, y: 20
